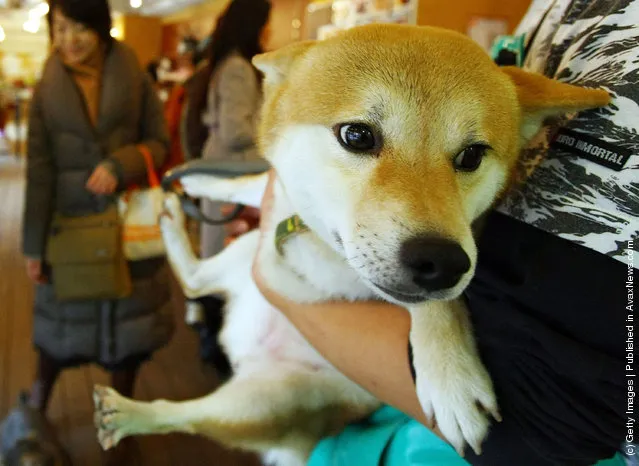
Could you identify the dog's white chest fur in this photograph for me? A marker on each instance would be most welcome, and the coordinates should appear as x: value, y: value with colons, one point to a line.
x: 254, y: 330
x: 309, y: 271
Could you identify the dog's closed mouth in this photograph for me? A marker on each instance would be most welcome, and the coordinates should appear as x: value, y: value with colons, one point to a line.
x: 408, y: 298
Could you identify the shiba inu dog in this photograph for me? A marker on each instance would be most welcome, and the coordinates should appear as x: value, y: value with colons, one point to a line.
x: 388, y: 143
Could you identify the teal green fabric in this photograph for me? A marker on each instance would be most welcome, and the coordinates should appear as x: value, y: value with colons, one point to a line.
x: 390, y: 438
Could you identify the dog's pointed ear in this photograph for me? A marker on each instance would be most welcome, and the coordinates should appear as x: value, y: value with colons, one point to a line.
x: 541, y: 98
x: 276, y: 65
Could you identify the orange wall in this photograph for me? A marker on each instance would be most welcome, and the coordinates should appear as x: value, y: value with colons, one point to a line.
x: 283, y: 13
x: 170, y: 39
x: 457, y: 14
x: 144, y: 35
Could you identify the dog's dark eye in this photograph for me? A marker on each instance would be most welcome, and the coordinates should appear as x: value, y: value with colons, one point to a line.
x: 470, y: 158
x: 357, y: 137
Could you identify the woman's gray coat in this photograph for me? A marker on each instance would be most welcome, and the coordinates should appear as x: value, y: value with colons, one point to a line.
x: 234, y: 100
x: 64, y: 149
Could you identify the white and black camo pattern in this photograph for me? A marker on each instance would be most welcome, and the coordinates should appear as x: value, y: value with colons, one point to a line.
x: 593, y: 43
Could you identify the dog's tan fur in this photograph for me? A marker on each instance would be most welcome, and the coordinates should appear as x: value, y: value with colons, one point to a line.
x: 414, y: 95
x: 431, y: 93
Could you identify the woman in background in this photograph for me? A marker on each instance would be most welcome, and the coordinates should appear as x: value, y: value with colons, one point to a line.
x: 225, y: 93
x: 93, y: 106
x: 233, y: 98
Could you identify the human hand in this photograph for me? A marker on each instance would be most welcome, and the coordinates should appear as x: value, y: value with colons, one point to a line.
x: 248, y: 220
x: 34, y: 271
x: 251, y: 217
x: 102, y: 181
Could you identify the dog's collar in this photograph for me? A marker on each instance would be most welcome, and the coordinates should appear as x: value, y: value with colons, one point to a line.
x: 288, y: 227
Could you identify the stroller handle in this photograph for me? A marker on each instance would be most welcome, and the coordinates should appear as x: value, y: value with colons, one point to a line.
x: 218, y: 168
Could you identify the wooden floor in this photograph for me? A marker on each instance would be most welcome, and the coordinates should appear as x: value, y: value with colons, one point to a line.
x: 175, y: 373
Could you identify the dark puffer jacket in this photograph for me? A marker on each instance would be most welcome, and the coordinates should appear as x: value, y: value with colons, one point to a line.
x: 64, y: 149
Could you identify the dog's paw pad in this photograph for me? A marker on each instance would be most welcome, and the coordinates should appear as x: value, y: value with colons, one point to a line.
x: 106, y: 439
x: 105, y: 398
x: 109, y: 416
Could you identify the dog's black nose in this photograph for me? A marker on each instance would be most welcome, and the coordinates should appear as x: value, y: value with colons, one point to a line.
x: 435, y: 263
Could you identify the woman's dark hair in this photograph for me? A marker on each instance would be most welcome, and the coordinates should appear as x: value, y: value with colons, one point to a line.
x: 238, y: 29
x: 94, y: 14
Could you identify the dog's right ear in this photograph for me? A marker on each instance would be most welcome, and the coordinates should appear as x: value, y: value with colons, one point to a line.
x: 276, y: 65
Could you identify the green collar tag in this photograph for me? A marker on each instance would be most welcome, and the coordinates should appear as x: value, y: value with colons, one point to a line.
x: 287, y: 228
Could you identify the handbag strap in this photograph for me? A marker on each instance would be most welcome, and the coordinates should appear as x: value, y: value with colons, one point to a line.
x: 152, y: 176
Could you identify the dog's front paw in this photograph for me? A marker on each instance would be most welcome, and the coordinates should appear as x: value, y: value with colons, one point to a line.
x: 115, y: 417
x: 453, y: 385
x: 458, y: 393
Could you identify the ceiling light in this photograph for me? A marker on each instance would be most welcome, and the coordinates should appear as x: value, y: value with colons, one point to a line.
x: 136, y: 3
x: 39, y: 10
x: 32, y: 25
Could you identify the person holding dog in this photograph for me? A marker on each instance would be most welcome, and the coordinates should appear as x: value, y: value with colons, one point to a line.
x: 548, y: 302
x: 94, y: 113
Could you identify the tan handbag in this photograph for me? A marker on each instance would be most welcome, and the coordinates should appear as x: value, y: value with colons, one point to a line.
x: 140, y: 210
x: 86, y: 257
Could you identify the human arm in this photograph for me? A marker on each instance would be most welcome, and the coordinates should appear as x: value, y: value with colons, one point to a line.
x: 40, y: 191
x: 366, y: 341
